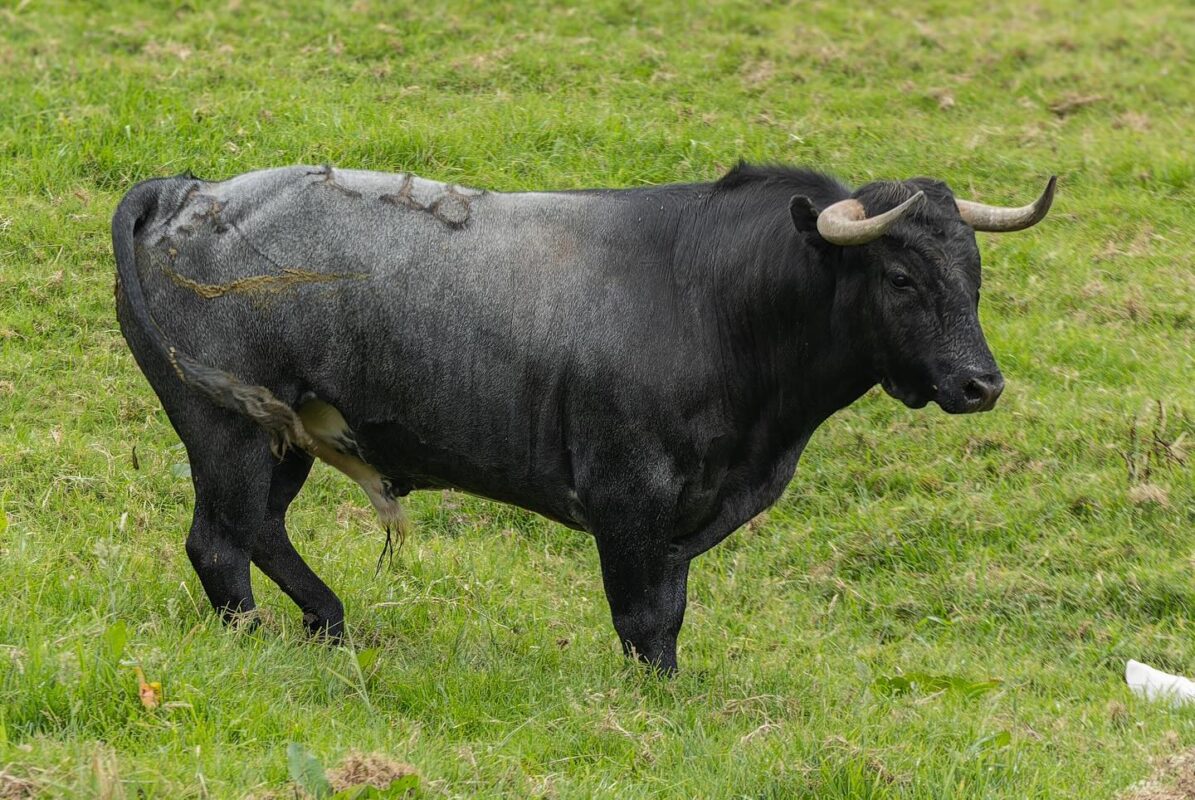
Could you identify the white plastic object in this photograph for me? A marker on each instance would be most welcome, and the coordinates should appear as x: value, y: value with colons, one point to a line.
x: 1155, y: 684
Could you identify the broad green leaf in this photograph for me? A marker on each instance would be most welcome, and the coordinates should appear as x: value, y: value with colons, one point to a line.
x: 401, y: 787
x: 306, y: 771
x: 993, y: 741
x: 115, y: 639
x: 366, y: 659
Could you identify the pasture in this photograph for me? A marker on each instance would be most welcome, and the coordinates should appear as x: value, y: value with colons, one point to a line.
x: 938, y: 607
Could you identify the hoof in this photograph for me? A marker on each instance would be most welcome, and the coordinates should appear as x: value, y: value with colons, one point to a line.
x: 323, y: 629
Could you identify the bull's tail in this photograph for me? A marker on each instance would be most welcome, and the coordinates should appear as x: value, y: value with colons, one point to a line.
x: 257, y: 403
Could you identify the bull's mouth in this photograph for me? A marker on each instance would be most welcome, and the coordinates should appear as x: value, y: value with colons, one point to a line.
x: 968, y: 395
x: 913, y: 398
x: 968, y: 401
x: 956, y: 405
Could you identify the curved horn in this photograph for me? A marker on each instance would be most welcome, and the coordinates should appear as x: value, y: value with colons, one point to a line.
x: 846, y: 222
x: 998, y: 219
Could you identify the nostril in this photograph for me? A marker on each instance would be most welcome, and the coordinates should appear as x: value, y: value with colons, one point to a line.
x: 976, y: 391
x: 983, y: 390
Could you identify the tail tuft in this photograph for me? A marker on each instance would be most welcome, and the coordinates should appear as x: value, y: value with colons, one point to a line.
x: 255, y: 402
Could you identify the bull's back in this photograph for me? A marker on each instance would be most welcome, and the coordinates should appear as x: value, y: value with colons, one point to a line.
x: 306, y: 255
x: 435, y: 318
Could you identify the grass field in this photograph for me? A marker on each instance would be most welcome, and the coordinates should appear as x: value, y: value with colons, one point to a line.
x: 939, y: 607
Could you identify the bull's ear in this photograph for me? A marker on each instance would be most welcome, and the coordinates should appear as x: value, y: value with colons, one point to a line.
x: 804, y: 213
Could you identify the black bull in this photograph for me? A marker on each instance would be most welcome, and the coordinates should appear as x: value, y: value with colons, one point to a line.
x: 646, y: 364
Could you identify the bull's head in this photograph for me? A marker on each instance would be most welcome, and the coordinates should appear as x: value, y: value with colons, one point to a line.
x: 912, y: 265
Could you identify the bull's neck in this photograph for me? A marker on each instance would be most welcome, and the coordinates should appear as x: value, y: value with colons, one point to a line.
x: 789, y: 321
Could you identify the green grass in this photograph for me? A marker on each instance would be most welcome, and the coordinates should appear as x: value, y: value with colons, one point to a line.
x: 1010, y: 546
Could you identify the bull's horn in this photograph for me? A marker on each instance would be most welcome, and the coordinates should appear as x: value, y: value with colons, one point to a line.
x: 998, y: 219
x: 846, y: 222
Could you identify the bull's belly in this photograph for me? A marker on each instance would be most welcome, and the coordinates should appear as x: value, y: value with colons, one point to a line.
x: 388, y: 462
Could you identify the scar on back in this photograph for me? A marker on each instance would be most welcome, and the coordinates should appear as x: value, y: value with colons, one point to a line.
x: 451, y: 206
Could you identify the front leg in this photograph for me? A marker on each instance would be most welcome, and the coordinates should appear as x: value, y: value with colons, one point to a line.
x: 646, y: 588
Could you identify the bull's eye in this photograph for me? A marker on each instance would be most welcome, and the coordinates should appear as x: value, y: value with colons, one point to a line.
x: 900, y: 280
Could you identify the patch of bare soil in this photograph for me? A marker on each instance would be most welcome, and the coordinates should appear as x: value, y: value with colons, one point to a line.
x: 1173, y: 779
x: 355, y: 771
x: 15, y: 787
x: 375, y: 769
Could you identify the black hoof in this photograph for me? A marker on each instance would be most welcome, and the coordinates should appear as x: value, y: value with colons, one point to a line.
x: 323, y: 629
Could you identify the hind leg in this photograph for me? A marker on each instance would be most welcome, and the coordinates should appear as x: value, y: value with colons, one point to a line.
x: 231, y: 469
x: 241, y: 496
x: 273, y: 553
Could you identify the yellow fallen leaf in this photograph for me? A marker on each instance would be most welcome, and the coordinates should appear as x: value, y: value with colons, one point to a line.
x: 149, y: 692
